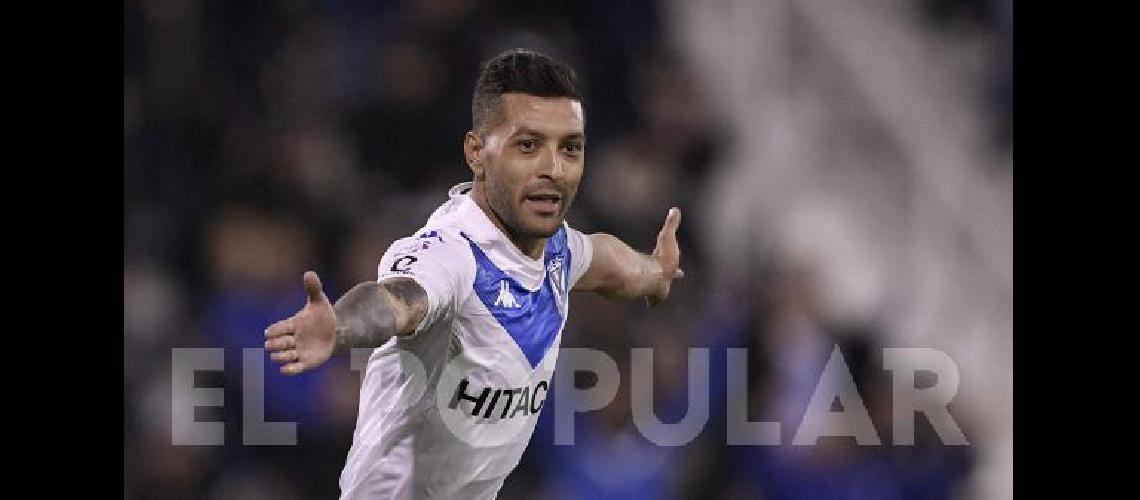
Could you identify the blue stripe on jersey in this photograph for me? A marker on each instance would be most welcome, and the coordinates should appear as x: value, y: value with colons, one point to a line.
x: 532, y: 319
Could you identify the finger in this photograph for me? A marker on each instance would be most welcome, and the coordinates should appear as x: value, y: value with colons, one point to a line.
x: 285, y: 356
x: 313, y: 286
x: 679, y: 274
x: 672, y: 221
x: 293, y: 368
x: 281, y: 343
x: 283, y: 327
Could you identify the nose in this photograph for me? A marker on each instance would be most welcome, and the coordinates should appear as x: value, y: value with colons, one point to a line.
x: 551, y: 165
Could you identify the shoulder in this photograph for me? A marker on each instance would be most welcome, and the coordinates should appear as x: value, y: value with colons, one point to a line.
x: 443, y: 244
x: 438, y: 259
x: 574, y: 240
x: 579, y: 251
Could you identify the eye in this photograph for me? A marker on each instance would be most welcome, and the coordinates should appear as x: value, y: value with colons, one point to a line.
x: 527, y: 145
x: 573, y: 148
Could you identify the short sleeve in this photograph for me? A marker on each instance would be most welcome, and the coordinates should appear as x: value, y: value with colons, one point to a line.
x: 581, y: 253
x: 432, y: 262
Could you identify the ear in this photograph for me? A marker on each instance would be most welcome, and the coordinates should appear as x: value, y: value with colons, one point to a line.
x: 473, y: 152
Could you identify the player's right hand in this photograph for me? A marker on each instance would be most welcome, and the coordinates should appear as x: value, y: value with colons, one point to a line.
x: 306, y: 339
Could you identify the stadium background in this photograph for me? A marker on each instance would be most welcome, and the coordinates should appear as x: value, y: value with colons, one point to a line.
x: 845, y: 167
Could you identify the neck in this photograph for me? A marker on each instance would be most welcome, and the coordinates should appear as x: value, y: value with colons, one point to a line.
x: 531, y: 247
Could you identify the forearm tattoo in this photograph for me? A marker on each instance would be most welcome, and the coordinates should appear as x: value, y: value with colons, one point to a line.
x: 372, y: 312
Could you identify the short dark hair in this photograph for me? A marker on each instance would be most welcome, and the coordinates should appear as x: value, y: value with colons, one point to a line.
x: 523, y: 71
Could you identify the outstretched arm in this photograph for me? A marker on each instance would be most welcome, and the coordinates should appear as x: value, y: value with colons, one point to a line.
x: 365, y: 316
x: 620, y: 272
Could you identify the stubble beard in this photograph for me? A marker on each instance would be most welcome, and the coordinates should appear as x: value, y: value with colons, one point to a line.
x: 502, y: 203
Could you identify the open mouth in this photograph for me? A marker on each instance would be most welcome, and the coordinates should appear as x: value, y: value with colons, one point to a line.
x: 545, y: 203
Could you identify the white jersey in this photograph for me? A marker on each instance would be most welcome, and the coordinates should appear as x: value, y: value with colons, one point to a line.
x: 447, y: 411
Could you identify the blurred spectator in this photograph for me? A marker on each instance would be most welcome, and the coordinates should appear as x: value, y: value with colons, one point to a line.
x: 792, y: 342
x: 408, y: 130
x: 256, y: 264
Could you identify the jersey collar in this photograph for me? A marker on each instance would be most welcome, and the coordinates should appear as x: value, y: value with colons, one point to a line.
x: 498, y: 247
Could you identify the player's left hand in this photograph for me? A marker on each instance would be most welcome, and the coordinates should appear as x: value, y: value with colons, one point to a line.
x: 668, y: 256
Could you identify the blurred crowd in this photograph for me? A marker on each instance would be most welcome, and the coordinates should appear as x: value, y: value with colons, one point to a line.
x: 263, y: 139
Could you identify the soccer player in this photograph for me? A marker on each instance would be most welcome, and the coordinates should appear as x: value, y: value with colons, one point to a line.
x: 467, y: 313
